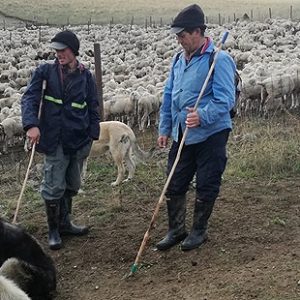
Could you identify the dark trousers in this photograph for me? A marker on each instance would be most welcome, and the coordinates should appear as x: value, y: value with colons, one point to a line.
x: 206, y: 159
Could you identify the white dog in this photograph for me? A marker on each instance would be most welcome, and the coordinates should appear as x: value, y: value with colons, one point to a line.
x: 121, y: 142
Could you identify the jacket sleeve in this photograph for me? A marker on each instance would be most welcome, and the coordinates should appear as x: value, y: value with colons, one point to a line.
x: 31, y: 99
x: 165, y: 119
x: 93, y: 108
x: 223, y: 87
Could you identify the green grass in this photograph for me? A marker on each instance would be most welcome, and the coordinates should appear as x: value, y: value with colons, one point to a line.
x: 264, y: 149
x: 102, y: 12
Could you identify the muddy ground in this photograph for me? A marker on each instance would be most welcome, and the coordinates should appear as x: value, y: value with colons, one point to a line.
x: 252, y: 253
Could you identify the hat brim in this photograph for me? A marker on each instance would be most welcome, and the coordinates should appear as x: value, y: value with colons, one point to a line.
x: 58, y: 46
x: 177, y: 30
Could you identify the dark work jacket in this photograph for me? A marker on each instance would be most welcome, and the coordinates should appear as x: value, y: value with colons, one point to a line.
x: 69, y: 110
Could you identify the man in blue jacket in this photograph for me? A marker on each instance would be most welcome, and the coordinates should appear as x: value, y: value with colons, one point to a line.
x: 204, y: 151
x: 64, y: 131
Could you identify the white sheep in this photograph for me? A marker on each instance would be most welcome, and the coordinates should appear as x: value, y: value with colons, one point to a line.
x: 10, y: 128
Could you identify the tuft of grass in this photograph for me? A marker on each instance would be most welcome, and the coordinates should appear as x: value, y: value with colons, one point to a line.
x: 268, y: 149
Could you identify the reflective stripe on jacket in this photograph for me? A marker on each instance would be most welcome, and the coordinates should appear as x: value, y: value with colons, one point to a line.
x: 69, y: 114
x: 183, y: 88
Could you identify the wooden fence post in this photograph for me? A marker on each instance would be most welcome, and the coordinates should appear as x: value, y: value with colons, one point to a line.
x: 89, y: 24
x: 291, y: 12
x: 40, y: 34
x: 131, y: 22
x: 110, y: 24
x: 98, y: 75
x: 270, y: 13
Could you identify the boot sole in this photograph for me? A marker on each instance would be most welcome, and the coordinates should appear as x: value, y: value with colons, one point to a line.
x: 55, y: 247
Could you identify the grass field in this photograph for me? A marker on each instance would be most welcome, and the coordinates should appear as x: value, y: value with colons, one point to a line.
x: 102, y: 12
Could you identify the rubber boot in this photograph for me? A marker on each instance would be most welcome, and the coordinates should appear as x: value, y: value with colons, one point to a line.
x: 176, y: 212
x: 52, y: 210
x: 66, y: 227
x: 198, y: 234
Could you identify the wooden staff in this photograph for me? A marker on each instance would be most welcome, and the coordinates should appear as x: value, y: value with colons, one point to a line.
x: 31, y: 159
x: 134, y: 267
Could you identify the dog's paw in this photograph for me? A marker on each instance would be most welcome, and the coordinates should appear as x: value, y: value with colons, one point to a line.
x: 115, y: 183
x: 127, y: 179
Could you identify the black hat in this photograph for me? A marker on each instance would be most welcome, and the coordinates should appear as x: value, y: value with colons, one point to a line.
x: 190, y: 17
x: 66, y: 39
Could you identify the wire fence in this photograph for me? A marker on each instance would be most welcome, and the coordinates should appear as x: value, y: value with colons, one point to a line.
x: 150, y: 21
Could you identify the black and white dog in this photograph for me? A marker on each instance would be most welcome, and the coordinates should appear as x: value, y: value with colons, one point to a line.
x: 26, y: 271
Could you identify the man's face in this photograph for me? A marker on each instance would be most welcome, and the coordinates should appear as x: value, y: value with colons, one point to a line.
x: 189, y: 41
x: 65, y: 56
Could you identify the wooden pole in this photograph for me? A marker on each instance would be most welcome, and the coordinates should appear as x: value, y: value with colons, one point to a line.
x: 132, y: 21
x: 40, y: 34
x: 89, y: 24
x: 220, y: 19
x: 291, y: 12
x: 98, y: 74
x: 270, y: 12
x: 161, y: 198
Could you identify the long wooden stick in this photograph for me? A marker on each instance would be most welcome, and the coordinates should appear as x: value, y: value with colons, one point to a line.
x: 44, y: 84
x: 161, y: 198
x: 24, y: 185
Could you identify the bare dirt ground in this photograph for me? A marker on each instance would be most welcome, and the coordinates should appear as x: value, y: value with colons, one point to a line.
x: 252, y: 253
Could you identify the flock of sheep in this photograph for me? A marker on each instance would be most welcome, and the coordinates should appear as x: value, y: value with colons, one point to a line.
x: 136, y: 62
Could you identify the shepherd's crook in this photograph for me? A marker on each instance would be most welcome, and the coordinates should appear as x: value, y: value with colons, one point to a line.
x: 44, y: 84
x: 134, y: 267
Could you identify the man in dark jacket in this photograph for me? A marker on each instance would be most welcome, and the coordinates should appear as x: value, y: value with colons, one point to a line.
x: 60, y: 114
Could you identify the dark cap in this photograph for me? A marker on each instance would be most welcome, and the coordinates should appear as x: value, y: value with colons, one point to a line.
x: 66, y: 39
x: 190, y: 17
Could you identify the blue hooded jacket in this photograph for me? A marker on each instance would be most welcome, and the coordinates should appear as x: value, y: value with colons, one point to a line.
x: 183, y: 88
x: 69, y: 112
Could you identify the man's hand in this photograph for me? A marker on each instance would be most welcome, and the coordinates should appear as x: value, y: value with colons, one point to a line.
x: 33, y: 134
x: 162, y: 141
x: 193, y: 118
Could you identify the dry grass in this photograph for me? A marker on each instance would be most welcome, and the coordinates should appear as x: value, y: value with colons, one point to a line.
x: 265, y: 148
x: 102, y: 12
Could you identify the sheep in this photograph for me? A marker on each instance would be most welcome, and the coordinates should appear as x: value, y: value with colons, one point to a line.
x: 10, y: 128
x: 148, y: 105
x: 279, y: 86
x: 119, y: 107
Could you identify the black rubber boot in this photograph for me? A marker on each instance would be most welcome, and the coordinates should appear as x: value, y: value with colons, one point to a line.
x: 176, y: 212
x: 198, y: 234
x: 52, y: 210
x: 66, y: 227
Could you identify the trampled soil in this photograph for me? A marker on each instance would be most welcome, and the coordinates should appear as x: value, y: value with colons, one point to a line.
x: 253, y: 250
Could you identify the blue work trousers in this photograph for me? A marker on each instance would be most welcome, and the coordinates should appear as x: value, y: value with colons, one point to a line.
x: 206, y: 159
